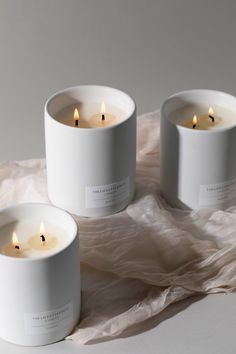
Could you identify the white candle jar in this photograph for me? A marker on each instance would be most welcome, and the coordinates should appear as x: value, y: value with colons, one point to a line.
x: 40, y: 295
x: 198, y: 167
x: 91, y: 171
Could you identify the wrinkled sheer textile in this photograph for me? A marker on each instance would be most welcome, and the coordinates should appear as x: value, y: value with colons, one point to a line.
x: 139, y: 261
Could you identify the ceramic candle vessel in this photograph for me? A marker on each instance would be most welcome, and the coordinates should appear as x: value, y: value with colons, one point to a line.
x: 40, y: 289
x: 91, y: 166
x: 198, y: 164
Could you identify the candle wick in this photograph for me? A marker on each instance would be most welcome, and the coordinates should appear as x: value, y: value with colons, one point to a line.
x: 212, y: 118
x: 17, y: 247
x: 103, y: 116
x: 76, y: 122
x: 43, y: 239
x: 194, y: 126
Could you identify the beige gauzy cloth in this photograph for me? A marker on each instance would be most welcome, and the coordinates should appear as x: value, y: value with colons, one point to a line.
x: 139, y: 261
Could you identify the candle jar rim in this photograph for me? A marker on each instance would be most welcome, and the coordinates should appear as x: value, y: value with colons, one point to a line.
x: 59, y: 93
x: 42, y: 205
x: 191, y: 93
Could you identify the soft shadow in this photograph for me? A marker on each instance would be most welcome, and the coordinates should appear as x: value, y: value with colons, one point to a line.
x: 152, y: 322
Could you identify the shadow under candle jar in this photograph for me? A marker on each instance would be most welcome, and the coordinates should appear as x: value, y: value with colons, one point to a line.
x: 90, y: 134
x: 197, y: 149
x: 40, y: 277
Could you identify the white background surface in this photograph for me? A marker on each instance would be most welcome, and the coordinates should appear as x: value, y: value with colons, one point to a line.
x: 150, y: 49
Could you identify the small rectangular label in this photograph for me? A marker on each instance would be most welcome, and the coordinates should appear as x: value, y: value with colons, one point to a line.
x: 107, y: 195
x: 50, y: 321
x: 218, y: 193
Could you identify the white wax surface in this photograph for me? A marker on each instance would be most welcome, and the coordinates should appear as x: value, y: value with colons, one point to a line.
x: 87, y: 111
x: 224, y: 118
x: 25, y: 229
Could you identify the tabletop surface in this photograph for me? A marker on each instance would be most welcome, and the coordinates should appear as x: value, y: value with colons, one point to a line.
x: 203, y: 325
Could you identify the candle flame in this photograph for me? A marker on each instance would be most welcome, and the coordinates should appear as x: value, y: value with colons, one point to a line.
x: 42, y: 228
x: 210, y: 111
x: 76, y: 114
x: 15, y: 241
x: 194, y: 121
x: 103, y: 108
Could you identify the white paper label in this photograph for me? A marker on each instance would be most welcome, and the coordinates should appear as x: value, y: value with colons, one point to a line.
x: 107, y: 195
x: 213, y: 194
x: 50, y: 321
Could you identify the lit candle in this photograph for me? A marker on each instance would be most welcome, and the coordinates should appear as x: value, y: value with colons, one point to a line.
x: 208, y: 121
x: 102, y: 119
x: 46, y: 241
x: 211, y: 114
x: 194, y: 121
x: 76, y: 117
x: 42, y: 241
x: 13, y: 248
x: 40, y: 287
x: 90, y: 115
x: 88, y: 164
x: 197, y: 164
x: 103, y: 110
